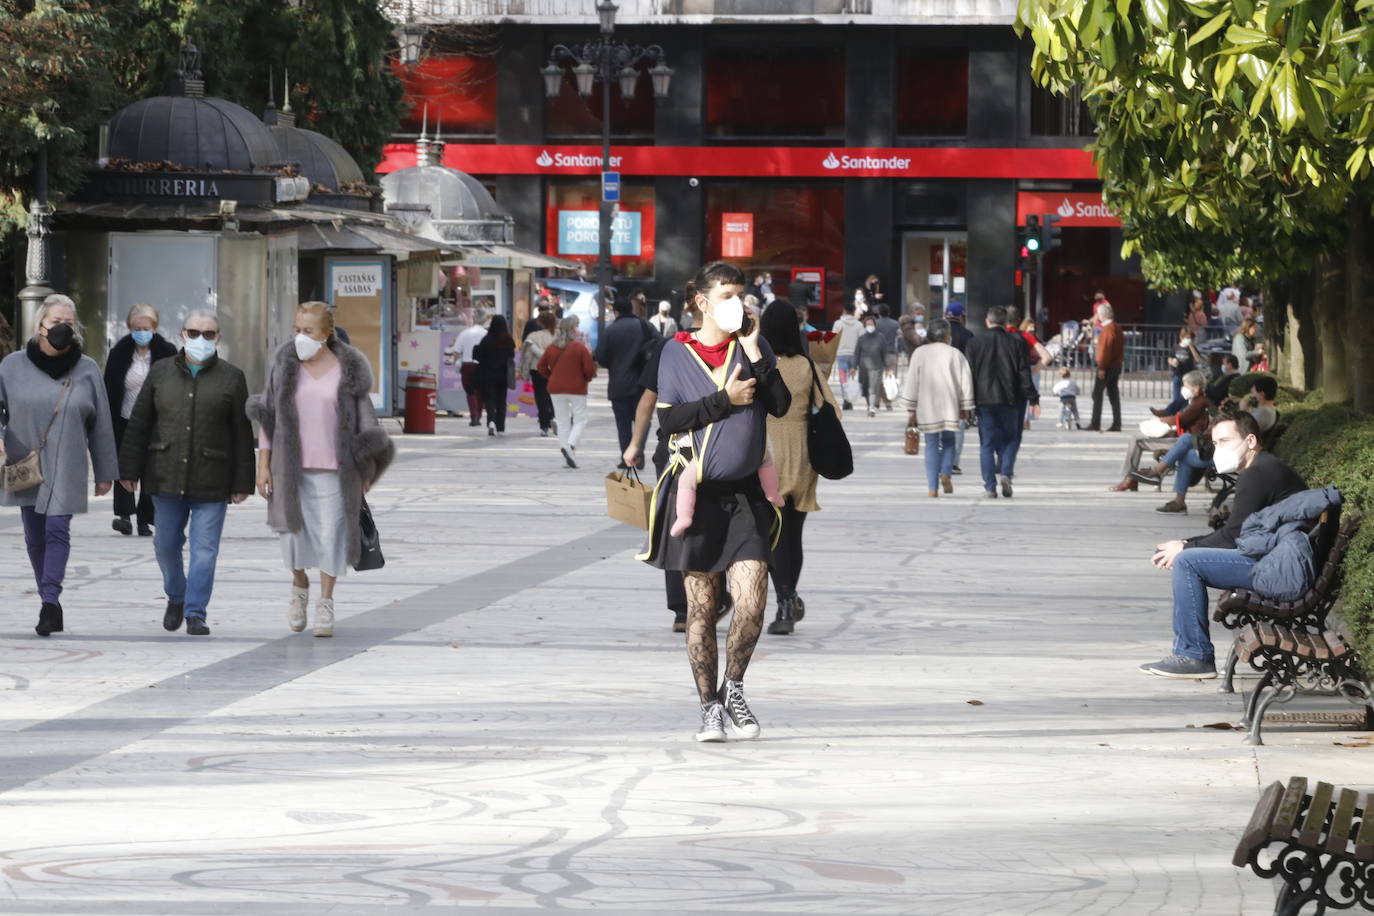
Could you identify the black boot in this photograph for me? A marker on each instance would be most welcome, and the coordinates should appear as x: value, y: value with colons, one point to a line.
x: 798, y: 607
x: 783, y: 623
x: 49, y: 619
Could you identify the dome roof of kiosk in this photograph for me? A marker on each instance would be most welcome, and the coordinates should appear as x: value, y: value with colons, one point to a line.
x: 459, y: 207
x: 201, y: 134
x: 322, y: 160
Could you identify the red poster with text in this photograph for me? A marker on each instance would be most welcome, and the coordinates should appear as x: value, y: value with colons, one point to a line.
x: 737, y: 235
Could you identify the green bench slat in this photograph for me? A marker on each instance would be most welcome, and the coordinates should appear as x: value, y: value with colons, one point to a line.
x: 1342, y: 819
x: 1291, y: 807
x: 1257, y: 831
x: 1314, y: 825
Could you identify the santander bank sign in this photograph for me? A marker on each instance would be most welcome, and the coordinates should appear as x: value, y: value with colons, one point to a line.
x: 1073, y: 208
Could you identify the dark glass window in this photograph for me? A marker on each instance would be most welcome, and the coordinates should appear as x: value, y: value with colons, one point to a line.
x: 775, y: 92
x: 457, y: 90
x: 570, y: 115
x: 794, y: 227
x: 1059, y: 115
x: 932, y: 92
x: 571, y: 218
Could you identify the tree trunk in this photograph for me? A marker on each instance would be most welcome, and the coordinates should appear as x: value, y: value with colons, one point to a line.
x: 1359, y: 286
x: 1331, y: 327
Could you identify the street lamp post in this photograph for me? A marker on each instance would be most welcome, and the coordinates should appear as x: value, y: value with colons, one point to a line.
x: 38, y: 259
x: 605, y: 61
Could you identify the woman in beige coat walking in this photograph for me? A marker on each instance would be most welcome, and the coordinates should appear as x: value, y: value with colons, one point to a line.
x: 787, y: 440
x: 937, y: 393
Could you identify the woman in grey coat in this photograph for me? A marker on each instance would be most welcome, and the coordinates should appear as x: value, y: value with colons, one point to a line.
x: 320, y: 449
x: 52, y: 400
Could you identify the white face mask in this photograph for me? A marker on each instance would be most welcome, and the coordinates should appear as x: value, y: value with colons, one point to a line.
x: 306, y: 347
x: 1186, y: 342
x: 199, y: 349
x: 869, y: 329
x: 729, y: 314
x: 1227, y: 460
x: 1188, y: 393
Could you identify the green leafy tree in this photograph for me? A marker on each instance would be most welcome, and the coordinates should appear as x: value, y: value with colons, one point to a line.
x: 1240, y: 131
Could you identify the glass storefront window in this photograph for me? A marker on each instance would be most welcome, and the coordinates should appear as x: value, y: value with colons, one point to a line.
x: 775, y: 92
x: 572, y: 231
x: 571, y: 116
x: 762, y: 225
x: 932, y: 92
x: 457, y: 90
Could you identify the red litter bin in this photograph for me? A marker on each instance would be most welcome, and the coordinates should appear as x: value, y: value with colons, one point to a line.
x: 421, y: 402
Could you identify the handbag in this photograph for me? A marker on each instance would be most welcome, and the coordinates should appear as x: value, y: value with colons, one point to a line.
x: 826, y: 444
x: 913, y: 441
x: 370, y: 546
x: 627, y: 499
x: 27, y: 472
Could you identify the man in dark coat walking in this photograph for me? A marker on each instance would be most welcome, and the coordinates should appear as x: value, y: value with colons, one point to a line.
x: 1001, y: 380
x: 190, y: 442
x: 621, y: 352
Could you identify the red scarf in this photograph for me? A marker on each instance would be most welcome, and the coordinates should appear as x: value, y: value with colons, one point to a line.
x: 713, y: 356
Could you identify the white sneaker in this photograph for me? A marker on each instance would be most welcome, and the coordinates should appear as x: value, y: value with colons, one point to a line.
x: 324, y: 617
x: 295, y: 614
x: 712, y: 722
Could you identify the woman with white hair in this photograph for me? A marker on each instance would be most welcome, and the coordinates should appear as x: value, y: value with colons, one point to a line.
x: 54, y: 412
x: 126, y: 369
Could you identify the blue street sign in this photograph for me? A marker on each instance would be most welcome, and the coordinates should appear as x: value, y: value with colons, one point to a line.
x: 610, y: 187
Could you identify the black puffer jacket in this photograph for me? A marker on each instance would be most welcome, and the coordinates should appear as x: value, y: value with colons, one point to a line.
x: 1001, y: 369
x: 120, y: 359
x: 188, y: 436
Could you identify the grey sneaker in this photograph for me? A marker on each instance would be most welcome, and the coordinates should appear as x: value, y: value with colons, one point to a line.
x: 741, y: 717
x: 1006, y: 486
x: 712, y: 722
x: 1181, y: 666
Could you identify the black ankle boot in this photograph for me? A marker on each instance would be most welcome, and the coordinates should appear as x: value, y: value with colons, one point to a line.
x: 798, y: 607
x: 49, y: 619
x: 782, y: 625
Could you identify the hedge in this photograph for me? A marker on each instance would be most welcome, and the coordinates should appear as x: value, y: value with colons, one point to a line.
x: 1334, y: 444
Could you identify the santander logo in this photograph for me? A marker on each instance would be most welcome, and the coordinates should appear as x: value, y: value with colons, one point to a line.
x: 543, y: 160
x: 830, y: 161
x: 865, y: 163
x: 1065, y: 209
x: 573, y: 160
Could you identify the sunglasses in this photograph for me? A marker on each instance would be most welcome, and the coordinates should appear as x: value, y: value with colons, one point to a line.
x: 193, y: 334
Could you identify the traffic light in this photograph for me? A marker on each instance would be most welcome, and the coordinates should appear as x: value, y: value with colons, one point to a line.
x: 1050, y: 232
x: 1028, y: 236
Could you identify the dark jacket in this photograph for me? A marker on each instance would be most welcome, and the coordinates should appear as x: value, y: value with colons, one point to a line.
x: 622, y: 352
x: 1195, y: 418
x: 959, y: 336
x: 1265, y: 482
x: 1278, y: 538
x: 495, y: 366
x: 117, y: 367
x: 871, y: 351
x: 189, y: 437
x: 1001, y: 369
x: 1220, y: 389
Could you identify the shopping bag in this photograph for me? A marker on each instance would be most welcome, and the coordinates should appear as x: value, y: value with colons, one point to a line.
x: 628, y: 500
x: 891, y: 387
x: 912, y: 445
x: 1155, y: 429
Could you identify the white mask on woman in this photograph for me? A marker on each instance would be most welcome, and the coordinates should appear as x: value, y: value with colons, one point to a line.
x: 1188, y: 393
x: 729, y: 314
x: 1227, y: 460
x: 307, y: 347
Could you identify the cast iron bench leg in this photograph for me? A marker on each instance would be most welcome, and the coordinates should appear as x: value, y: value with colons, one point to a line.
x: 1265, y: 680
x: 1229, y: 675
x: 1282, y: 694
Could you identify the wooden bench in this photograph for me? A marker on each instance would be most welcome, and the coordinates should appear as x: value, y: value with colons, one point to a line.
x: 1239, y: 607
x: 1326, y: 854
x: 1291, y: 661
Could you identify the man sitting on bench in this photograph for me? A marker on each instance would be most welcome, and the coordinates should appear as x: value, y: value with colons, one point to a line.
x: 1211, y: 560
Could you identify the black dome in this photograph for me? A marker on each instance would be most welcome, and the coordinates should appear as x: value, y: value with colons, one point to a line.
x: 322, y: 160
x: 197, y: 133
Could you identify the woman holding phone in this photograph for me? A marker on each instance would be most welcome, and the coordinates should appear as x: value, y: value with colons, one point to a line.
x: 716, y: 388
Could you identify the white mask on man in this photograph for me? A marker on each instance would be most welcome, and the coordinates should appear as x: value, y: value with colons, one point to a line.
x: 1227, y: 460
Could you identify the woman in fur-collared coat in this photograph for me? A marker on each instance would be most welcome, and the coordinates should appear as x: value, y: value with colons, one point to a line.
x: 320, y: 448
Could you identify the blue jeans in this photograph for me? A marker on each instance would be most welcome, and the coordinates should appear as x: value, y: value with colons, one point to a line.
x: 959, y: 441
x: 1184, y: 457
x: 939, y: 456
x: 169, y: 537
x: 997, y: 442
x: 1195, y: 570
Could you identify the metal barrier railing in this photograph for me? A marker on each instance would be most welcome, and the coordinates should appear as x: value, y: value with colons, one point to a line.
x: 1146, y: 372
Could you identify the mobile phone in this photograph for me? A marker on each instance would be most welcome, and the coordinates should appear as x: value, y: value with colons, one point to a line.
x: 748, y: 327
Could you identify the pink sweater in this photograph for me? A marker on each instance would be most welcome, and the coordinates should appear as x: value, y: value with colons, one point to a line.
x: 317, y: 406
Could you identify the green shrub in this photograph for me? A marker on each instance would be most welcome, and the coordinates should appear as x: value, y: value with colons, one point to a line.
x: 1242, y: 383
x: 1334, y: 445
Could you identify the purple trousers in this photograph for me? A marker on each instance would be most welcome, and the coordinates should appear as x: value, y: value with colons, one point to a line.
x: 49, y: 540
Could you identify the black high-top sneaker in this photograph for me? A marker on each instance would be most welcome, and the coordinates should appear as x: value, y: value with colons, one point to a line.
x: 741, y: 717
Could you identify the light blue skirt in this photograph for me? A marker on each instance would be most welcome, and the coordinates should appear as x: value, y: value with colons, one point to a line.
x: 322, y: 542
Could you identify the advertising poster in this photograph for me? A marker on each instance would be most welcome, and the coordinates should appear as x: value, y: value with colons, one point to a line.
x: 360, y: 294
x: 450, y: 369
x: 579, y: 232
x: 737, y: 235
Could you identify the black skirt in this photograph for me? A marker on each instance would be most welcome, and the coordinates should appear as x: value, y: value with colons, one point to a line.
x: 733, y: 521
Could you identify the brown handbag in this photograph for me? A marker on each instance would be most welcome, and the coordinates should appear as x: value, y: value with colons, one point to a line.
x: 913, y: 441
x: 27, y: 472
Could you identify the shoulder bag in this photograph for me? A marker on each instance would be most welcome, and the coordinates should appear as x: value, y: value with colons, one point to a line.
x: 826, y: 443
x: 27, y: 472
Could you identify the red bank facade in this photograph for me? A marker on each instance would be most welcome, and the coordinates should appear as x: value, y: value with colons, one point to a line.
x: 908, y: 149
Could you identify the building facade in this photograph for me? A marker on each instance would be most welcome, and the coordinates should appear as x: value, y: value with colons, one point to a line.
x: 853, y: 138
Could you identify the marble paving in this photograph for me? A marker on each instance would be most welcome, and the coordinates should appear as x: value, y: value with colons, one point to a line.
x: 504, y: 719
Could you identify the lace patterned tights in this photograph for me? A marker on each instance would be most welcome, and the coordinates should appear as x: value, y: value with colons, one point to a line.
x: 748, y: 585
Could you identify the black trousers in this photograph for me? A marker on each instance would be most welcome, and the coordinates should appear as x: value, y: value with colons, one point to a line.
x: 787, y: 556
x: 1108, y: 386
x: 124, y: 501
x: 542, y: 402
x: 624, y: 409
x: 494, y: 396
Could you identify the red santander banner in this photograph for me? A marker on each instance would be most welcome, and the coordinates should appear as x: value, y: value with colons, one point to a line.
x: 758, y: 161
x: 1073, y: 209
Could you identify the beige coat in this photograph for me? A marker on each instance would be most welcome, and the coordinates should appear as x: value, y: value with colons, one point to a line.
x: 938, y: 386
x: 787, y: 435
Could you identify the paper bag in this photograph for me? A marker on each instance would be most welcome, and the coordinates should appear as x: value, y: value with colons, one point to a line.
x: 822, y: 347
x: 628, y: 500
